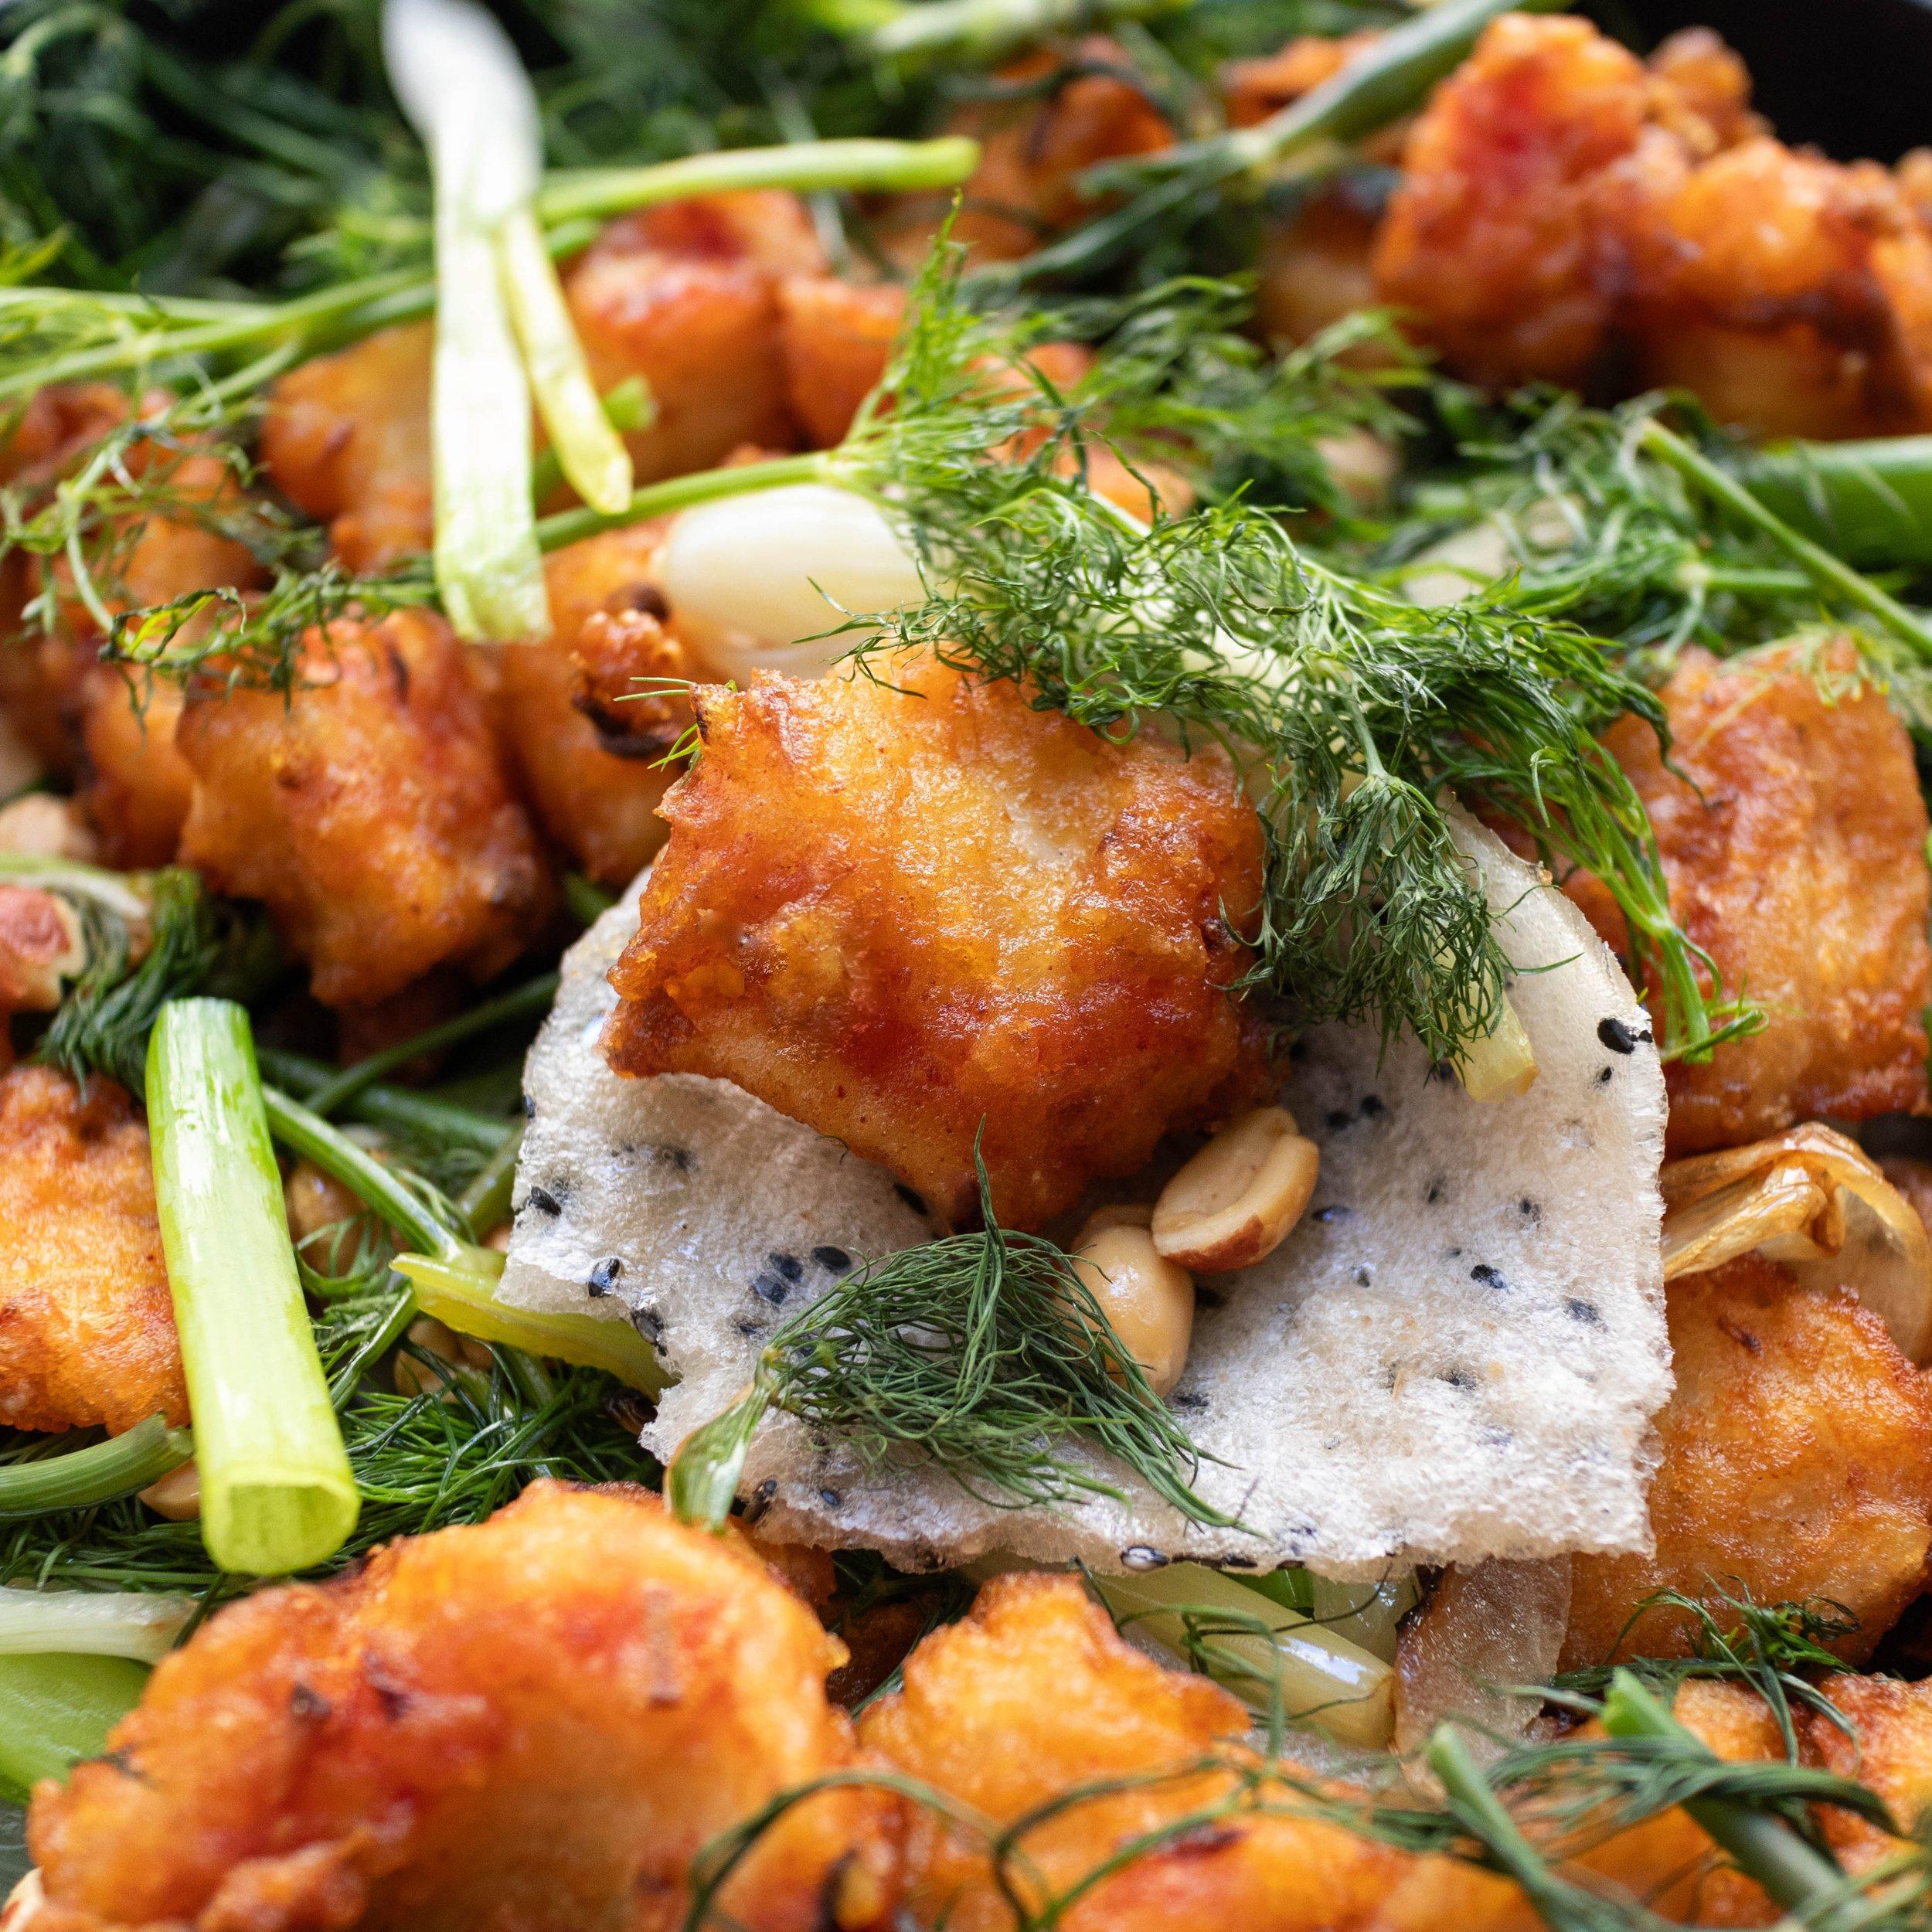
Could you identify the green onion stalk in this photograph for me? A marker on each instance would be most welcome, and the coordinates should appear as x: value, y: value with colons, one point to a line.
x: 56, y: 1710
x: 79, y: 1479
x: 141, y: 1624
x: 276, y: 1492
x: 1869, y: 501
x: 569, y: 206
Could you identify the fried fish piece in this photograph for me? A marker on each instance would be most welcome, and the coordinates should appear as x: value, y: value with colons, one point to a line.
x: 1059, y: 111
x: 1034, y: 1696
x: 1566, y: 212
x: 368, y: 810
x: 1793, y: 836
x: 86, y: 1324
x: 529, y: 1726
x: 346, y: 437
x: 593, y: 772
x: 1796, y: 1463
x: 920, y: 913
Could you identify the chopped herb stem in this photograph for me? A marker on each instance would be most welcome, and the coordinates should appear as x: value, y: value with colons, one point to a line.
x: 395, y: 1109
x: 458, y: 1287
x: 141, y: 1625
x: 1869, y: 501
x: 485, y: 1202
x: 1832, y: 574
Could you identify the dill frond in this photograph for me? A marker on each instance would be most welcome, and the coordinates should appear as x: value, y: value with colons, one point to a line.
x: 984, y: 1354
x: 1353, y: 711
x: 102, y: 1025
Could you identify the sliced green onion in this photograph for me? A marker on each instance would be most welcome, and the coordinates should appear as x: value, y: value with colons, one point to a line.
x: 460, y: 83
x: 591, y: 453
x: 55, y: 1710
x: 79, y: 1479
x: 627, y: 406
x: 276, y: 1492
x: 459, y: 1289
x: 1276, y: 1660
x: 141, y: 1625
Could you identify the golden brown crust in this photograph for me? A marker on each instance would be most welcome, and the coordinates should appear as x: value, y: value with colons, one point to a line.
x: 1567, y: 213
x: 86, y: 1324
x: 531, y: 1726
x: 1796, y: 1462
x: 838, y: 336
x: 1794, y: 842
x: 346, y: 439
x: 368, y: 810
x: 596, y: 791
x: 1062, y: 110
x: 686, y: 296
x: 1035, y: 1695
x: 136, y: 784
x: 899, y: 914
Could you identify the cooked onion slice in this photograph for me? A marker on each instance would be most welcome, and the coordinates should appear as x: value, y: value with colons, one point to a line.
x: 1809, y: 1199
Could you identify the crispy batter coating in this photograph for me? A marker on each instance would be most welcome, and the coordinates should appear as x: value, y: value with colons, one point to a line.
x: 86, y: 1325
x: 136, y: 785
x: 1059, y: 111
x: 1794, y: 846
x: 686, y: 296
x: 1891, y: 1752
x: 1566, y: 212
x: 347, y: 438
x: 837, y: 337
x: 369, y: 811
x: 1035, y: 1695
x: 1797, y: 1460
x: 592, y: 776
x: 531, y: 1726
x: 899, y: 914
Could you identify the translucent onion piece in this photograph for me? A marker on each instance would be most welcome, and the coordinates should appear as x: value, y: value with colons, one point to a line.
x: 1486, y: 1627
x: 1811, y: 1200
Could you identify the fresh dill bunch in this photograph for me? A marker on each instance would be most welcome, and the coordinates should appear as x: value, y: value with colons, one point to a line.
x: 193, y: 945
x: 984, y: 1354
x: 1354, y: 712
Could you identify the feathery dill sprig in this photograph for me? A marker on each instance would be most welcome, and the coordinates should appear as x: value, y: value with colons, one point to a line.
x: 1351, y: 710
x: 1766, y: 1646
x: 985, y: 1354
x: 102, y: 1025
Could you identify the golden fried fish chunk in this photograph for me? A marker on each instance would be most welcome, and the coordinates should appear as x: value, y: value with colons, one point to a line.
x: 86, y: 1324
x: 912, y: 915
x: 593, y: 776
x: 369, y: 810
x: 529, y: 1726
x: 686, y: 296
x: 1566, y: 212
x: 346, y: 438
x: 1033, y: 1696
x: 1797, y: 1464
x: 1793, y: 845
